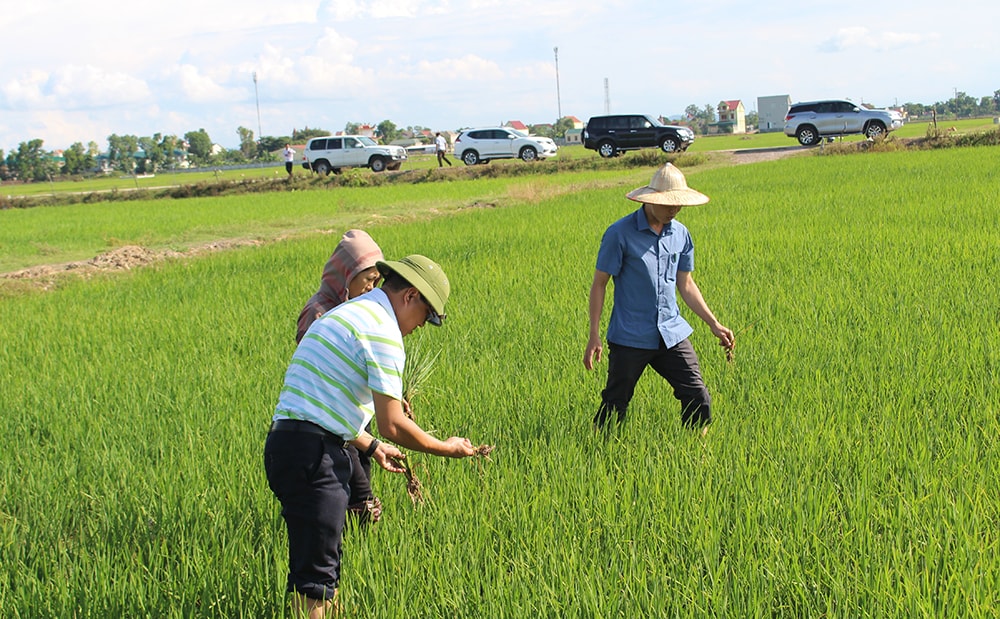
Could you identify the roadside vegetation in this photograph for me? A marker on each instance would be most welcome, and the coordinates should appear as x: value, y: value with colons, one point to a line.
x: 853, y: 469
x: 79, y: 188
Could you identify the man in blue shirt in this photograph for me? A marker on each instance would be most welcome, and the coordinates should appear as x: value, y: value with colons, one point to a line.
x: 651, y: 257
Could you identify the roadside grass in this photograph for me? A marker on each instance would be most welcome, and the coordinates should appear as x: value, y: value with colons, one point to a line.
x: 270, y: 172
x: 853, y: 469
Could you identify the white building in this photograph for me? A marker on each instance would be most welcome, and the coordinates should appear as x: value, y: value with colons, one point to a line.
x: 771, y: 112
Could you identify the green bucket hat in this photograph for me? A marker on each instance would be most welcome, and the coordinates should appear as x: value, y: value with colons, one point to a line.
x: 423, y: 274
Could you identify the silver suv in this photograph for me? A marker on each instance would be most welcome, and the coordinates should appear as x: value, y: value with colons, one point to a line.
x: 811, y: 121
x: 331, y: 153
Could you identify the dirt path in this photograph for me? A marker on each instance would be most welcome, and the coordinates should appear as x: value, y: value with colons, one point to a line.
x: 756, y: 155
x: 124, y: 258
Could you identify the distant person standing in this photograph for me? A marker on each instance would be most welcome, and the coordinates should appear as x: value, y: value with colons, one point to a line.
x: 441, y: 147
x: 289, y: 159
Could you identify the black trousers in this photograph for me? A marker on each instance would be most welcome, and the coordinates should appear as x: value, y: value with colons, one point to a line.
x: 361, y: 479
x: 678, y: 364
x: 310, y: 474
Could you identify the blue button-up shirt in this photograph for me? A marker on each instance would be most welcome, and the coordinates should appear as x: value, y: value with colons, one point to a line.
x: 644, y: 268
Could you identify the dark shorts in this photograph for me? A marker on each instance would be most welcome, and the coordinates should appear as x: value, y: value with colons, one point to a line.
x: 288, y: 167
x: 678, y: 365
x: 310, y: 474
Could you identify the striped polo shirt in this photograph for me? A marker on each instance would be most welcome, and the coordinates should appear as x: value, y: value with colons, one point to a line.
x: 351, y: 351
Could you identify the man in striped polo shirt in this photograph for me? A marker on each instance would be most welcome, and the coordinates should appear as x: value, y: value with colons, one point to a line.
x: 347, y: 369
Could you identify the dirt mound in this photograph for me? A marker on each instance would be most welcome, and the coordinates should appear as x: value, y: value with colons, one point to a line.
x: 122, y: 258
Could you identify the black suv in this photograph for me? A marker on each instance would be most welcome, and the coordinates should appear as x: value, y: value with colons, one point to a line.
x: 611, y: 135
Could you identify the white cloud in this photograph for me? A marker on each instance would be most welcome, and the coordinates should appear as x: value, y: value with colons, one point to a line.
x: 348, y: 10
x: 73, y: 87
x: 467, y: 68
x: 335, y: 47
x: 197, y: 87
x: 861, y: 38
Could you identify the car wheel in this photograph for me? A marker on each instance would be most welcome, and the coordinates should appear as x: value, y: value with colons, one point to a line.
x: 607, y: 148
x: 875, y: 130
x: 377, y: 164
x: 322, y: 168
x: 470, y: 157
x: 528, y: 154
x: 669, y: 145
x: 807, y: 135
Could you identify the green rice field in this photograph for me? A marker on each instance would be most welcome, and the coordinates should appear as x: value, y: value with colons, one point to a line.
x: 853, y: 468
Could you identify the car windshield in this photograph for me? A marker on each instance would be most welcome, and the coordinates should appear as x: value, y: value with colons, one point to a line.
x: 367, y: 141
x: 656, y: 123
x: 523, y: 134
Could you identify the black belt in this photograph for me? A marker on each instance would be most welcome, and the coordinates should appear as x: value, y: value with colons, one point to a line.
x: 306, y: 427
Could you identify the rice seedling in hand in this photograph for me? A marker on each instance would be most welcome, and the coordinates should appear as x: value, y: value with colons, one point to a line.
x: 419, y: 367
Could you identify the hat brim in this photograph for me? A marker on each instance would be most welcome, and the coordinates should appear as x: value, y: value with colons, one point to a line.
x: 416, y: 280
x: 671, y: 197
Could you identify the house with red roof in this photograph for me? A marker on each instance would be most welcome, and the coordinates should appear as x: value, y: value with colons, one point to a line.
x: 516, y: 125
x: 732, y: 118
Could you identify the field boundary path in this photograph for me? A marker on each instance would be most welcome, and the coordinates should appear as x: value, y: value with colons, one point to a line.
x: 129, y: 257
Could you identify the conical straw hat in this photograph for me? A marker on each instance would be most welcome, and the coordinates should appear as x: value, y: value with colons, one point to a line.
x: 668, y: 188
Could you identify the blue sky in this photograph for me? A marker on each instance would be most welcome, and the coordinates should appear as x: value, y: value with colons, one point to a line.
x: 74, y: 71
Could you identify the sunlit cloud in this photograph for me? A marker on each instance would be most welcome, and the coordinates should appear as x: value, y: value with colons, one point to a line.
x: 861, y: 38
x: 73, y: 87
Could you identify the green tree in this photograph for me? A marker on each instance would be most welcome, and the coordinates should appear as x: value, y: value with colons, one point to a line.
x: 33, y: 163
x: 962, y: 105
x: 562, y: 125
x: 352, y: 128
x: 916, y: 110
x: 76, y: 160
x: 700, y: 118
x: 248, y: 147
x: 303, y: 135
x: 169, y: 151
x: 231, y: 156
x: 544, y: 130
x: 387, y: 131
x: 121, y: 152
x: 199, y: 146
x: 4, y: 169
x: 156, y: 156
x: 271, y: 143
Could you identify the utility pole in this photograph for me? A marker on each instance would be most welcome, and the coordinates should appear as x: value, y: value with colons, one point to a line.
x: 555, y: 50
x: 257, y: 98
x: 607, y: 98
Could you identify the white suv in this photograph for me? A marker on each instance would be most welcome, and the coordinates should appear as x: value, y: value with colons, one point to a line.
x: 811, y: 121
x: 480, y: 145
x: 333, y: 152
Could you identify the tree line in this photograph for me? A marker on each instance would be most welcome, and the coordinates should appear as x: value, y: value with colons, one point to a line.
x: 130, y: 154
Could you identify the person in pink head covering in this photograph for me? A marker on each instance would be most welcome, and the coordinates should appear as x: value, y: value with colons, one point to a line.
x: 350, y: 272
